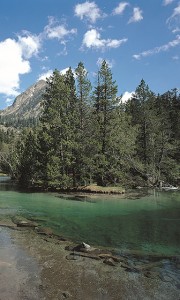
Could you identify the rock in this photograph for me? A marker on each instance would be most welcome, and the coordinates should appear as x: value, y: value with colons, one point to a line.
x: 109, y: 261
x: 86, y: 255
x: 165, y: 278
x: 43, y: 287
x: 149, y: 266
x: 22, y: 222
x: 44, y: 231
x: 72, y: 257
x: 150, y: 274
x: 66, y: 295
x: 114, y: 258
x: 85, y: 246
x: 62, y: 239
x: 26, y: 224
x: 69, y: 247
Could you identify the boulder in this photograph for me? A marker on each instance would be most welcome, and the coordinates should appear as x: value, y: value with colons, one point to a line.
x: 86, y: 246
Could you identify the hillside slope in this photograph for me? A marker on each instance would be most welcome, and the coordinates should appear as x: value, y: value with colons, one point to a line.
x: 26, y: 105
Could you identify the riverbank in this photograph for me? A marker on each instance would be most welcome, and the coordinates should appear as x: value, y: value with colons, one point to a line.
x: 68, y: 272
x: 88, y: 189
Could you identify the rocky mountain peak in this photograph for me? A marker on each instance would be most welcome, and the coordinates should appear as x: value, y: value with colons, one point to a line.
x: 27, y: 104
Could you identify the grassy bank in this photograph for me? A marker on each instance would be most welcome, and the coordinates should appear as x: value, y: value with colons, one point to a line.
x: 101, y: 189
x: 3, y: 174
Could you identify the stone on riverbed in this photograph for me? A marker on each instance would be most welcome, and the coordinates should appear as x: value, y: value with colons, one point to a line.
x: 83, y: 247
x: 72, y: 257
x: 23, y: 222
x: 44, y: 231
x: 86, y: 246
x: 109, y: 261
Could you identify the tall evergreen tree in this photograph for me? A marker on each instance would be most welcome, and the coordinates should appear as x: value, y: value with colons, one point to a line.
x: 57, y: 130
x: 27, y: 166
x: 84, y: 155
x: 105, y: 102
x: 83, y: 91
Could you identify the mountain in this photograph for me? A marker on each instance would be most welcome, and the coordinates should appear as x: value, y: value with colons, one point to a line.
x: 26, y: 106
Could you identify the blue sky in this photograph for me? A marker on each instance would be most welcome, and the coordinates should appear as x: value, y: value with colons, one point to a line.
x: 139, y: 39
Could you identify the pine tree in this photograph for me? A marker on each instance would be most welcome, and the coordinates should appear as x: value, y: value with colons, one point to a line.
x: 27, y: 165
x: 84, y: 154
x: 57, y: 130
x: 105, y: 102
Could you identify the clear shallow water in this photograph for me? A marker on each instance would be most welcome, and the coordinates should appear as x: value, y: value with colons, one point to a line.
x: 19, y: 275
x: 149, y: 223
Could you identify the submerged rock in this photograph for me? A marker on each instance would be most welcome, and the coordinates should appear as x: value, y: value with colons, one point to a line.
x: 109, y: 261
x: 23, y: 222
x: 44, y: 231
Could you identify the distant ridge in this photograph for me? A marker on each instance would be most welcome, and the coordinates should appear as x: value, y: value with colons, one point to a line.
x: 27, y: 104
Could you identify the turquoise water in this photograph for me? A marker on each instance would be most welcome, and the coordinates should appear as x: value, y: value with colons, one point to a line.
x: 146, y: 223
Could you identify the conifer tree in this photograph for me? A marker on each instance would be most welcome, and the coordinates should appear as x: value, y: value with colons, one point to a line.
x: 105, y: 102
x: 84, y: 155
x: 57, y: 131
x: 27, y: 165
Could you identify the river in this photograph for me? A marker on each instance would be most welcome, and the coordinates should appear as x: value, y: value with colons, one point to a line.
x: 147, y: 222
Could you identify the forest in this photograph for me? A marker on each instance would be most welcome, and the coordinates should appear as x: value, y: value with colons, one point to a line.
x: 86, y: 135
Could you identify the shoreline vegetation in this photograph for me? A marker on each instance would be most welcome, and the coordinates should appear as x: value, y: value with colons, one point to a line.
x: 89, y: 189
x: 96, y: 189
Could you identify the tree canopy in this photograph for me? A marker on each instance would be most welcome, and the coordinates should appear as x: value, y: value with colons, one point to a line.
x: 87, y: 135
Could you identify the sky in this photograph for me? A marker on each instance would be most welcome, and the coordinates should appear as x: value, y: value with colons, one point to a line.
x: 139, y: 39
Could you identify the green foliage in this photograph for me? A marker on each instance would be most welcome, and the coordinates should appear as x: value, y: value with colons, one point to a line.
x: 82, y: 139
x: 157, y: 140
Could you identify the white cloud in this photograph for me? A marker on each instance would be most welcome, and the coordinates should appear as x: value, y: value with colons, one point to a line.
x: 9, y: 101
x: 12, y: 65
x: 110, y: 63
x: 15, y: 54
x: 49, y: 73
x: 174, y: 20
x: 45, y: 75
x: 89, y: 11
x: 55, y: 31
x: 63, y: 71
x: 167, y: 2
x: 30, y: 44
x: 175, y: 30
x: 92, y: 39
x: 137, y: 15
x: 14, y: 60
x: 59, y: 32
x: 126, y: 96
x: 175, y: 57
x: 157, y: 50
x: 120, y: 8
